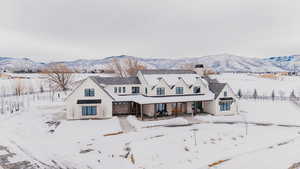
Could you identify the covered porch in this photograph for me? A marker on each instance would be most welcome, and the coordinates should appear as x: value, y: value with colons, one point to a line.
x: 160, y: 106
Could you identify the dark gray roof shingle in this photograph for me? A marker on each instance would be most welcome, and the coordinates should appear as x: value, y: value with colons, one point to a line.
x: 216, y: 88
x: 116, y: 80
x: 167, y: 71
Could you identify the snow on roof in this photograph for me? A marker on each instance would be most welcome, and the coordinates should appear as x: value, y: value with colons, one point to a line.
x: 171, y: 79
x: 165, y: 99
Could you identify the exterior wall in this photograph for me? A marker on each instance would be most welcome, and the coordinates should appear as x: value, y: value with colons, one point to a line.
x: 74, y: 110
x: 189, y: 108
x: 148, y: 109
x: 213, y: 107
x: 210, y: 107
x: 128, y: 89
x: 121, y: 108
x: 180, y: 83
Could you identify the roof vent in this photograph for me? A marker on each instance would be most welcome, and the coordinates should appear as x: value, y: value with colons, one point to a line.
x: 159, y: 78
x: 179, y: 78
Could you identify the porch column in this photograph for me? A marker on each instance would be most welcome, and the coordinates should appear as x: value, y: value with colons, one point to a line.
x: 176, y: 110
x: 142, y: 112
x: 194, y: 111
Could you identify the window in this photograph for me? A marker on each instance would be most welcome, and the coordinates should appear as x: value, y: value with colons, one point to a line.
x: 89, y: 92
x: 225, y: 94
x: 197, y: 89
x: 146, y: 91
x: 120, y: 89
x: 89, y: 110
x: 161, y: 107
x: 160, y: 91
x: 116, y: 90
x: 124, y: 89
x: 225, y: 106
x: 179, y: 90
x: 135, y: 90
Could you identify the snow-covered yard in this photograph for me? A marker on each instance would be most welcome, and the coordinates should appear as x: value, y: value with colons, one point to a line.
x: 284, y: 85
x: 43, y: 137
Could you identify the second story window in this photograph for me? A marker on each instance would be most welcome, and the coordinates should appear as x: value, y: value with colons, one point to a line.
x: 146, y: 91
x: 179, y: 90
x: 135, y: 90
x: 89, y: 92
x: 225, y: 94
x: 160, y: 91
x: 120, y: 89
x: 197, y: 89
x: 116, y: 90
x: 124, y: 89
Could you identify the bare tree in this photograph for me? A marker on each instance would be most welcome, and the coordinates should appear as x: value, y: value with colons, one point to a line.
x: 125, y: 68
x: 116, y: 67
x: 60, y: 76
x: 19, y: 87
x: 187, y: 66
x: 133, y: 66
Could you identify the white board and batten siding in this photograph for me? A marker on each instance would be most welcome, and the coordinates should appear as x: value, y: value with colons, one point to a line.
x: 212, y: 107
x: 74, y: 110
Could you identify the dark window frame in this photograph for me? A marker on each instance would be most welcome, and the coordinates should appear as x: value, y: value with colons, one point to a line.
x: 179, y: 90
x: 90, y: 92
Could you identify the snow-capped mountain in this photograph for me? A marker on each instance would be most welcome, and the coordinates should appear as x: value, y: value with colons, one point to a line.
x: 219, y: 63
x: 16, y: 64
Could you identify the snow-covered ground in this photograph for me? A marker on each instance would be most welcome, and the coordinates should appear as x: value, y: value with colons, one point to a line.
x: 264, y: 135
x: 33, y: 82
x: 42, y: 136
x: 284, y: 85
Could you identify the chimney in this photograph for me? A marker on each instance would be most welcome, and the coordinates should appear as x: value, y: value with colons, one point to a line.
x: 199, y: 69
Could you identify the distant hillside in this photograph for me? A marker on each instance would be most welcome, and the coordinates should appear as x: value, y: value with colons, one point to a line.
x: 220, y: 63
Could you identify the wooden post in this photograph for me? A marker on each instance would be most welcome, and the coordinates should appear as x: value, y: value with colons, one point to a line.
x: 176, y: 110
x: 142, y: 112
x: 194, y: 111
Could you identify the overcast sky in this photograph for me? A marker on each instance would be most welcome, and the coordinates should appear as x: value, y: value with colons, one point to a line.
x: 70, y: 29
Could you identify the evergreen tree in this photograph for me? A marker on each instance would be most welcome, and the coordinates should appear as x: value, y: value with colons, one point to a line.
x: 293, y: 94
x: 240, y: 93
x: 255, y: 94
x: 273, y: 95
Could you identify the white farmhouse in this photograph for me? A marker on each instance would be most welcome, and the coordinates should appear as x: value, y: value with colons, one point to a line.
x: 151, y: 93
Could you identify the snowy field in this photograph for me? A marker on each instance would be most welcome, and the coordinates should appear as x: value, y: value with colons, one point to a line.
x: 33, y: 82
x: 43, y: 137
x: 265, y: 135
x: 264, y: 86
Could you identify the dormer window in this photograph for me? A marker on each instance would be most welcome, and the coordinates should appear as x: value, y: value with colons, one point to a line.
x: 225, y: 94
x: 135, y: 90
x: 89, y: 92
x: 179, y: 90
x: 160, y: 91
x: 197, y: 89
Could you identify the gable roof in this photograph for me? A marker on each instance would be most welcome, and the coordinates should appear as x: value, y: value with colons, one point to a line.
x: 167, y: 71
x: 216, y: 88
x: 115, y: 80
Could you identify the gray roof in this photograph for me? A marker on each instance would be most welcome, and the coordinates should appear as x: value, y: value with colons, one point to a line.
x: 116, y: 80
x: 210, y: 80
x: 216, y: 88
x: 167, y: 71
